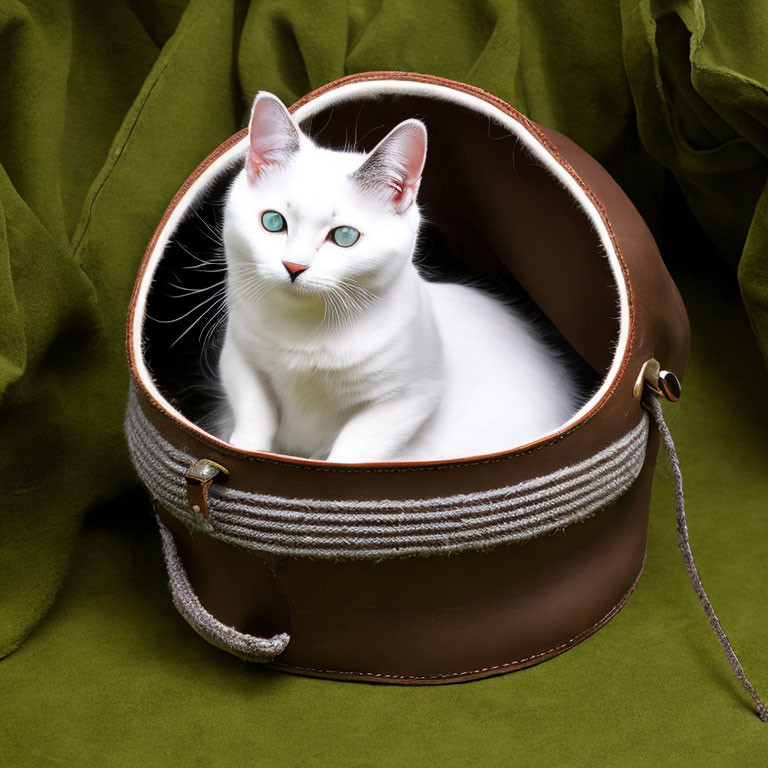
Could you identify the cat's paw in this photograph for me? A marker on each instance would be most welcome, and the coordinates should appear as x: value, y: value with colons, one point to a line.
x: 350, y: 454
x: 344, y: 457
x: 247, y: 441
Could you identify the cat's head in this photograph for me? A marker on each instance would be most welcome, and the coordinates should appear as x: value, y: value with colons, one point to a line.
x: 310, y: 220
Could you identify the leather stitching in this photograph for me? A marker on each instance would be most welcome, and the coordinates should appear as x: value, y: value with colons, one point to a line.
x: 562, y: 646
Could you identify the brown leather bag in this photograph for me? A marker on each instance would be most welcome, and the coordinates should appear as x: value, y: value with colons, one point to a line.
x: 421, y: 572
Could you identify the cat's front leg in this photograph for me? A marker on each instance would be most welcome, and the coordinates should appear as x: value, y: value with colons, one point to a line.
x: 253, y: 409
x: 381, y: 431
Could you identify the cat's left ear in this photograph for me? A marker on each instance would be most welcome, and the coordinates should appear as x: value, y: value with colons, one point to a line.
x: 272, y: 135
x: 393, y: 169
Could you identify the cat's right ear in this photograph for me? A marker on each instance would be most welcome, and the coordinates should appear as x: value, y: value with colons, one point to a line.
x: 272, y: 135
x: 392, y: 171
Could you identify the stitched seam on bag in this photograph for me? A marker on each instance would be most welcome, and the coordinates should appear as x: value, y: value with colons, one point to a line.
x: 581, y: 635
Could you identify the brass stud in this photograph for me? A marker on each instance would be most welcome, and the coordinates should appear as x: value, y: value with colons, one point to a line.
x: 669, y: 385
x: 660, y: 382
x: 204, y: 471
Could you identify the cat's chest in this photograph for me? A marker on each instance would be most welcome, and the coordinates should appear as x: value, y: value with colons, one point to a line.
x: 325, y: 379
x: 316, y: 395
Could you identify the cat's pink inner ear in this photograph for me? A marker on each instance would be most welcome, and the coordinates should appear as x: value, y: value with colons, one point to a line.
x: 413, y: 151
x: 272, y: 135
x: 394, y: 167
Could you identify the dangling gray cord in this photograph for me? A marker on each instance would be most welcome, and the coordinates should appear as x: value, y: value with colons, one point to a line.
x: 654, y: 407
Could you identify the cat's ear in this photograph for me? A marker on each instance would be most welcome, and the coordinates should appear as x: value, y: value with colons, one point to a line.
x: 272, y: 134
x: 393, y: 169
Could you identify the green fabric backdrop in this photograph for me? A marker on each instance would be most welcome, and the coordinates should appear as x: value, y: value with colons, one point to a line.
x: 105, y: 108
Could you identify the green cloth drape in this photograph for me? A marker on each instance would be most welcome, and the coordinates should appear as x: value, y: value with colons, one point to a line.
x: 105, y: 108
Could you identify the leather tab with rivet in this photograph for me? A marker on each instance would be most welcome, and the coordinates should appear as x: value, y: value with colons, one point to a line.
x: 199, y: 476
x: 662, y: 383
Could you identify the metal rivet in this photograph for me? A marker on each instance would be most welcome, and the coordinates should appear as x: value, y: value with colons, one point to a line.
x: 669, y: 385
x: 659, y: 382
x: 204, y: 471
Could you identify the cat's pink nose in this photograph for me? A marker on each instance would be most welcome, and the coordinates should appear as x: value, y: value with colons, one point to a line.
x: 294, y: 270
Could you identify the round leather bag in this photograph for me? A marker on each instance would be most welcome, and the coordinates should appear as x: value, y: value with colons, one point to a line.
x: 422, y: 572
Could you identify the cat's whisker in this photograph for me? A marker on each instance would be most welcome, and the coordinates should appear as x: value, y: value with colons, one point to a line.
x: 355, y: 286
x: 332, y: 305
x: 331, y: 308
x: 359, y: 298
x: 189, y: 253
x: 218, y: 294
x: 325, y: 312
x: 218, y: 311
x: 342, y: 316
x: 348, y: 301
x: 219, y: 303
x: 357, y: 122
x: 242, y: 302
x: 205, y: 269
x: 216, y: 234
x: 210, y: 330
x: 187, y: 291
x: 327, y: 123
x: 344, y: 303
x: 244, y: 271
x: 218, y: 258
x: 178, y: 296
x: 370, y: 131
x: 213, y: 325
x: 250, y: 290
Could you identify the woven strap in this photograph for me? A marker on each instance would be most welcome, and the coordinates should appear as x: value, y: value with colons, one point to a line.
x: 654, y: 406
x: 384, y: 528
x: 245, y: 646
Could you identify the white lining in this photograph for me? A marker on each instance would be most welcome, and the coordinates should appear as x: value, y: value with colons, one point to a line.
x: 358, y: 90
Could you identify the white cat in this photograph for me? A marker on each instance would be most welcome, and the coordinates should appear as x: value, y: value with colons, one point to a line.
x: 336, y: 347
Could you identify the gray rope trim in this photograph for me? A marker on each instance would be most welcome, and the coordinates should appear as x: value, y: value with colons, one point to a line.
x: 654, y: 406
x: 227, y: 638
x: 377, y: 529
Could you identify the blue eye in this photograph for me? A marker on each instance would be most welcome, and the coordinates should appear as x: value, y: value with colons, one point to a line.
x: 344, y: 236
x: 273, y: 221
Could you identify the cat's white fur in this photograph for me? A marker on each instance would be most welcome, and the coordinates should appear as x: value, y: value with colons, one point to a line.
x: 360, y: 358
